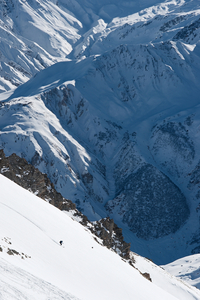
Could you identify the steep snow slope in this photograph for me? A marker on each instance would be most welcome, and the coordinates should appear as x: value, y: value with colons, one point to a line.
x: 169, y: 20
x: 116, y: 128
x: 35, y: 35
x: 30, y: 230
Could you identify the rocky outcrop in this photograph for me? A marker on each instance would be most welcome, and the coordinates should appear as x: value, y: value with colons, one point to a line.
x: 24, y: 174
x: 147, y: 276
x: 5, y: 242
x: 112, y: 236
x: 109, y: 233
x: 27, y: 176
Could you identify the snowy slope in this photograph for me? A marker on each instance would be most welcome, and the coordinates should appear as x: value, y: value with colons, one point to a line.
x: 17, y: 284
x: 114, y: 120
x: 186, y: 268
x: 39, y: 268
x: 162, y: 22
x: 35, y: 35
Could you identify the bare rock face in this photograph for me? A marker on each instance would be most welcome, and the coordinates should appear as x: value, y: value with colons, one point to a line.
x: 112, y: 236
x: 147, y: 276
x: 27, y: 176
x: 109, y: 233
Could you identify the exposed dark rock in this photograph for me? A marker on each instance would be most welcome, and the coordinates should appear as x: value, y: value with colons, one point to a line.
x: 87, y: 178
x: 175, y: 135
x: 24, y: 174
x: 18, y: 170
x: 171, y: 23
x: 109, y: 233
x: 195, y: 241
x: 188, y: 32
x: 12, y: 252
x: 194, y: 177
x: 196, y: 250
x: 112, y: 236
x: 147, y: 276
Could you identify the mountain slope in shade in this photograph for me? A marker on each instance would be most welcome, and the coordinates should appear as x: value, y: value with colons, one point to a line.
x: 31, y: 256
x: 35, y: 35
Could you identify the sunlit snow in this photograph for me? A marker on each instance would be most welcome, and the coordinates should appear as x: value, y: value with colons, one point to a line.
x: 39, y: 268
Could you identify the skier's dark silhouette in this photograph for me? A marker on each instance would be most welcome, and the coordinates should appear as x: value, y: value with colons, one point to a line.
x: 61, y: 242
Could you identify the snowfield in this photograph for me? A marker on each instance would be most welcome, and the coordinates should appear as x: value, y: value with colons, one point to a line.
x: 34, y: 266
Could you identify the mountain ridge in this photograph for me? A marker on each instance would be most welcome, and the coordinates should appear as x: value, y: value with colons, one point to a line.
x: 120, y: 107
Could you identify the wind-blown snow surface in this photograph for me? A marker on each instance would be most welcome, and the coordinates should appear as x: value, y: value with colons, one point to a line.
x: 116, y: 124
x: 40, y: 268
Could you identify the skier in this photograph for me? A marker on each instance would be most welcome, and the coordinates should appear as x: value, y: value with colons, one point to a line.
x: 61, y: 242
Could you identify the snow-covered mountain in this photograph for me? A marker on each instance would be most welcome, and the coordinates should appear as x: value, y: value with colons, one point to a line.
x: 34, y: 266
x: 112, y: 111
x: 186, y: 268
x: 36, y: 34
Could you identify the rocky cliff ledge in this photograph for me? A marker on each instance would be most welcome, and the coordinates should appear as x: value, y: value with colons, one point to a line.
x: 27, y: 176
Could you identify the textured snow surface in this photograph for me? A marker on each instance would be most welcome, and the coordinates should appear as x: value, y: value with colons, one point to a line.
x: 17, y: 284
x: 39, y: 268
